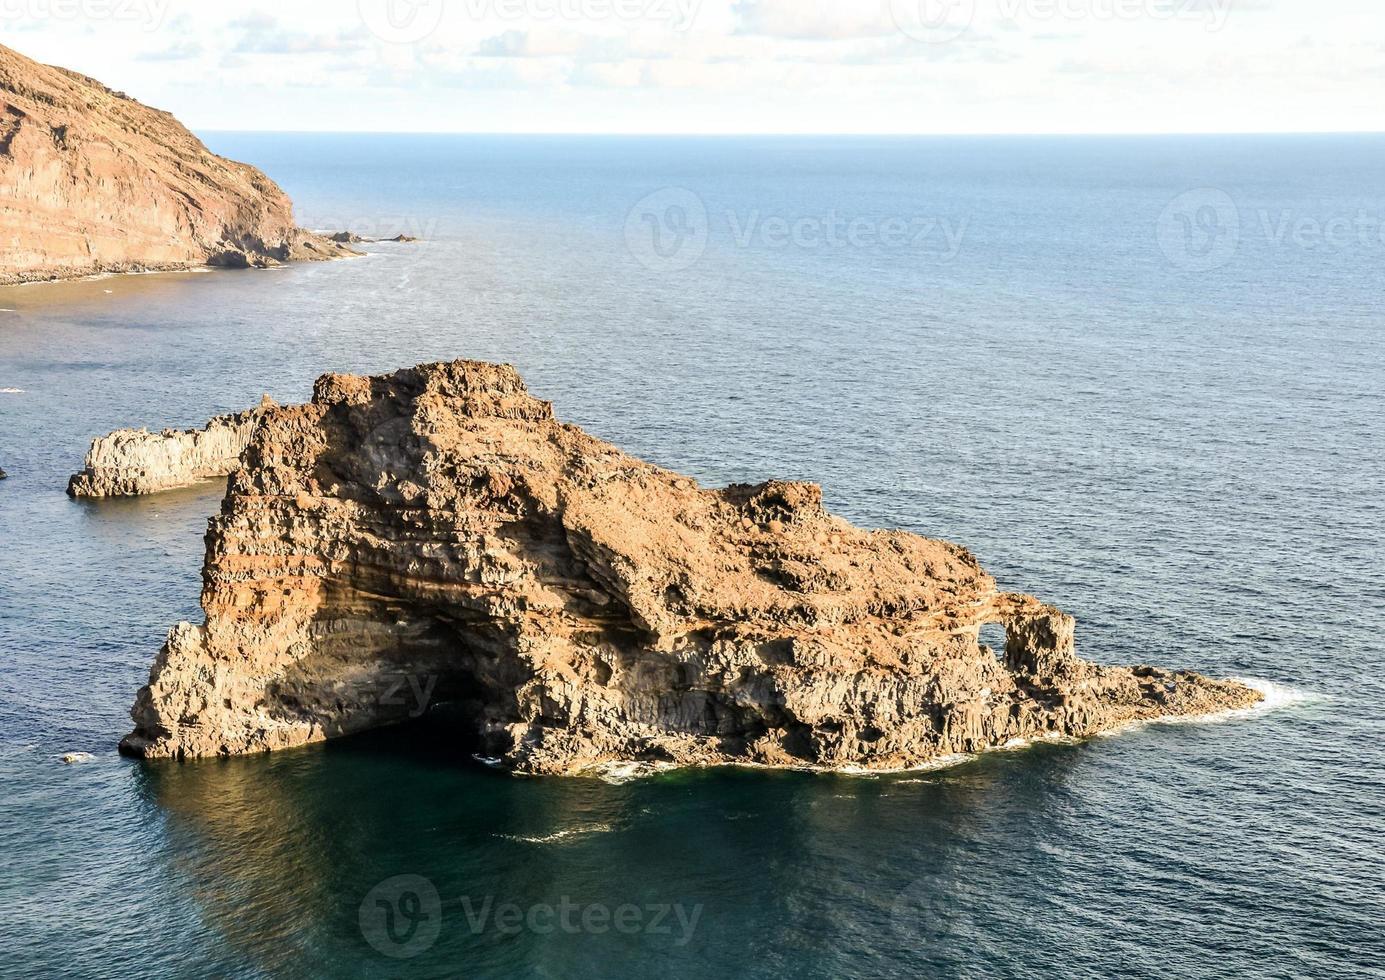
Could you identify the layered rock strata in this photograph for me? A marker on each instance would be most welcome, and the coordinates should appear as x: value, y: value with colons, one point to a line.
x: 92, y: 181
x: 129, y: 462
x: 436, y: 535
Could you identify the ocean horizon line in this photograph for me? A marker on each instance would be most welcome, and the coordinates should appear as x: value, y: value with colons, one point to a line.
x: 796, y: 135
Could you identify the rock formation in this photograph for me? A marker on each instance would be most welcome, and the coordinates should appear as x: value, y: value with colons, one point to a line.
x: 351, y: 238
x: 92, y: 181
x: 129, y: 462
x: 435, y: 535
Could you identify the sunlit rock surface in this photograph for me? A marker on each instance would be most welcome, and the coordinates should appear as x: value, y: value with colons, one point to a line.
x: 129, y: 462
x: 92, y: 181
x: 436, y: 535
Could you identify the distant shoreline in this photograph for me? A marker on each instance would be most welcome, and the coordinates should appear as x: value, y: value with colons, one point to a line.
x: 57, y: 277
x: 94, y: 182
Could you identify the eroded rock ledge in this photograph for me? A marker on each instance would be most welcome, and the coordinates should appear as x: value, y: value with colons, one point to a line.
x: 129, y: 462
x: 583, y: 607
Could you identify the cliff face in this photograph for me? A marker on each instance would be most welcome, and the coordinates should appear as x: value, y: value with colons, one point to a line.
x: 93, y: 181
x: 129, y: 462
x: 436, y: 530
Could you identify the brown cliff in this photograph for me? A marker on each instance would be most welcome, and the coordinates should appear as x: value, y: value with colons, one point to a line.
x: 584, y: 607
x: 92, y: 181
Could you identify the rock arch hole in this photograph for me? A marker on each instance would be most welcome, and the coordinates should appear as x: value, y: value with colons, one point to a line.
x: 993, y: 635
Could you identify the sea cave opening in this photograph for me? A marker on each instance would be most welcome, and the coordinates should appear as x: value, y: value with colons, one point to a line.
x: 417, y: 681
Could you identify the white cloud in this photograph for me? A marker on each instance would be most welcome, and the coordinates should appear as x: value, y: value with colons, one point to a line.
x: 818, y: 20
x: 611, y: 74
x: 548, y: 42
x: 178, y: 51
x: 261, y: 33
x: 742, y: 66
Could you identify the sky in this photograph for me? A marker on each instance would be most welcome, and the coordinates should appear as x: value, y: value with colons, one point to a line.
x: 729, y: 66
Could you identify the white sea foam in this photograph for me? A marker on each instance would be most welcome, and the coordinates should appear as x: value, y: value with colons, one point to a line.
x: 1024, y: 742
x: 562, y: 835
x: 1280, y: 695
x: 932, y: 765
x: 617, y: 773
x: 11, y: 391
x: 1277, y: 697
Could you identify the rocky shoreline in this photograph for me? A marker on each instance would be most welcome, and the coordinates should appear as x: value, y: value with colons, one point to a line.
x: 93, y: 182
x: 436, y: 535
x: 131, y: 462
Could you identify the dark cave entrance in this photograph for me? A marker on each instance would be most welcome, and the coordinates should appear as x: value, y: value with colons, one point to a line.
x: 462, y: 695
x: 412, y: 679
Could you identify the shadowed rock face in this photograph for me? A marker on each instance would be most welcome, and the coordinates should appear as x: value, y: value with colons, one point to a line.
x: 435, y: 535
x: 92, y: 181
x: 130, y: 462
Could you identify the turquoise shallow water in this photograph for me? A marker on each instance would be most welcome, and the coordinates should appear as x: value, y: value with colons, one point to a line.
x: 1162, y: 414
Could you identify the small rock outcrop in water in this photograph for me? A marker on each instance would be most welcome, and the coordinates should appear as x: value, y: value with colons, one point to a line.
x: 436, y: 535
x: 351, y: 238
x: 129, y: 462
x: 92, y: 181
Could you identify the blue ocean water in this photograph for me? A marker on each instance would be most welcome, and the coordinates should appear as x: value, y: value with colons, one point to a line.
x: 1139, y: 377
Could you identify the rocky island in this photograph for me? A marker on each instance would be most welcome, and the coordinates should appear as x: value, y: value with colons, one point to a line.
x: 581, y: 607
x: 130, y: 462
x: 92, y: 181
